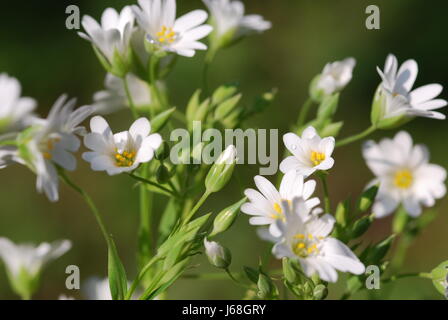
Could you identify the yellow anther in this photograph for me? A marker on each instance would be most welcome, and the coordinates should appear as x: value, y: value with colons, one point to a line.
x: 317, y: 157
x: 277, y: 208
x: 166, y: 35
x: 403, y: 179
x: 300, y: 245
x: 299, y: 236
x: 124, y: 159
x: 47, y: 155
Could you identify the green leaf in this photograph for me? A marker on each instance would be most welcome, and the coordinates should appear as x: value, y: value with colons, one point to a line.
x: 193, y: 105
x: 118, y: 281
x: 223, y: 93
x: 159, y: 121
x: 226, y: 107
x: 439, y: 277
x: 251, y: 274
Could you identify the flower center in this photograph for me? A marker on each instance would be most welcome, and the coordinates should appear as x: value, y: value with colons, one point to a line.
x: 48, y: 146
x: 278, y: 214
x: 403, y: 179
x: 125, y: 159
x: 317, y: 157
x: 166, y: 35
x: 305, y: 245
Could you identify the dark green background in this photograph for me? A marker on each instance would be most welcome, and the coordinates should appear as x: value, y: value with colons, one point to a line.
x: 50, y: 60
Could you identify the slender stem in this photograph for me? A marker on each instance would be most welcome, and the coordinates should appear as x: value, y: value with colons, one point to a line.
x: 424, y: 275
x: 400, y: 253
x: 89, y: 202
x: 154, y: 184
x: 196, y: 207
x: 323, y: 178
x: 145, y: 234
x: 356, y: 137
x: 8, y: 143
x: 129, y: 97
x: 140, y: 276
x: 153, y: 80
x: 304, y: 112
x: 205, y: 78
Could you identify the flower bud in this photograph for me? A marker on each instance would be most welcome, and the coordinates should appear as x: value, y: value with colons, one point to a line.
x: 163, y: 175
x: 439, y: 276
x: 221, y: 172
x: 163, y: 151
x: 226, y: 107
x: 361, y: 226
x: 290, y: 272
x: 159, y: 121
x: 225, y: 219
x: 266, y: 288
x: 367, y: 198
x: 379, y: 251
x: 217, y: 255
x: 320, y: 292
x: 223, y: 93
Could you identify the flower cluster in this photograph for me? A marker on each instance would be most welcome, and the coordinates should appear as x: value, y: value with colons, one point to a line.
x: 314, y: 238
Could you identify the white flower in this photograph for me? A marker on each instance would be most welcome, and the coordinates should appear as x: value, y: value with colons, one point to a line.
x: 228, y: 16
x: 217, y: 255
x: 52, y: 141
x: 336, y: 76
x: 265, y: 205
x: 114, y: 97
x: 120, y: 152
x: 114, y: 33
x: 228, y: 156
x: 305, y: 237
x: 15, y: 110
x: 404, y: 175
x: 400, y: 100
x: 310, y: 152
x: 25, y: 262
x: 158, y: 19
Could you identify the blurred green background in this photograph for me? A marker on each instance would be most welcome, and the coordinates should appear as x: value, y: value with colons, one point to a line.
x: 50, y: 60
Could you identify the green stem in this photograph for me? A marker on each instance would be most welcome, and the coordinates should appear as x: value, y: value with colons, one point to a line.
x: 424, y: 275
x: 153, y: 81
x: 323, y: 178
x: 140, y: 276
x: 145, y: 234
x: 400, y: 253
x: 196, y: 207
x: 355, y: 137
x: 8, y: 143
x: 154, y: 184
x: 304, y: 112
x: 129, y: 97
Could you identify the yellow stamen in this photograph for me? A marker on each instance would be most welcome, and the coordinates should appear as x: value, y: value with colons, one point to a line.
x: 403, y: 179
x: 124, y: 159
x: 317, y: 157
x: 166, y: 35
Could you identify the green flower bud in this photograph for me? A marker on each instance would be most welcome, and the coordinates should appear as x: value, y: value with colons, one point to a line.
x: 217, y: 255
x: 379, y: 251
x: 221, y: 172
x: 320, y: 292
x: 200, y: 114
x: 163, y: 152
x: 290, y: 272
x: 331, y: 129
x: 226, y: 107
x: 163, y: 175
x: 328, y: 106
x: 361, y: 226
x: 193, y: 105
x: 266, y: 288
x: 24, y: 283
x: 225, y: 219
x: 342, y: 212
x: 223, y: 93
x: 439, y: 276
x: 367, y: 198
x: 316, y: 93
x: 159, y: 121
